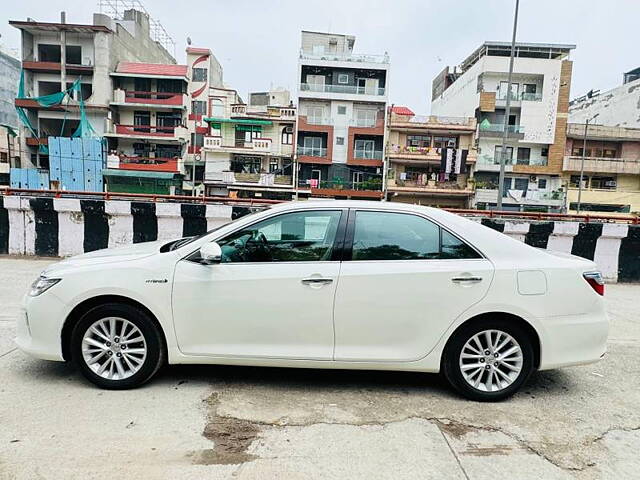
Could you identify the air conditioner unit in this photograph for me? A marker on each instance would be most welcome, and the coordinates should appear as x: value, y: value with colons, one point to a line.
x: 451, y: 144
x: 611, y: 183
x: 533, y: 178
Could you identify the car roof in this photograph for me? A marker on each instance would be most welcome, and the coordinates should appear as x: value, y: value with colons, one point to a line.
x: 331, y: 203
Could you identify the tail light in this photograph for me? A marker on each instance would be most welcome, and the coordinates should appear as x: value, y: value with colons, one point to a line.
x: 596, y: 281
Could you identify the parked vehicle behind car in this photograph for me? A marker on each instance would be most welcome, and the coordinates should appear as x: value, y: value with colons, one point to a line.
x: 324, y: 284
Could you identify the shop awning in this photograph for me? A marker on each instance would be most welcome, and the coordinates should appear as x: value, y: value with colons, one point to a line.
x: 115, y: 172
x: 240, y: 121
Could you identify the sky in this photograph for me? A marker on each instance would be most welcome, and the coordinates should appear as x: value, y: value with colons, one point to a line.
x: 257, y: 42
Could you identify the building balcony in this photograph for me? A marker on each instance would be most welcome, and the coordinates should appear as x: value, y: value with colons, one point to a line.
x: 517, y: 197
x: 432, y: 187
x: 250, y: 179
x: 418, y: 155
x: 345, y: 57
x: 341, y: 89
x: 365, y: 189
x: 149, y: 99
x: 34, y: 142
x: 268, y: 112
x: 56, y: 67
x: 366, y: 158
x: 319, y: 121
x: 316, y: 155
x: 149, y: 132
x: 258, y: 145
x: 601, y: 165
x: 496, y: 131
x: 155, y: 164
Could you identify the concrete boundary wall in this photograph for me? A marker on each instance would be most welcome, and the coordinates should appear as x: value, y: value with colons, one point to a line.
x: 69, y: 226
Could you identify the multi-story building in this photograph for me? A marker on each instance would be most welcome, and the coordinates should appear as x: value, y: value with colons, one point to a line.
x: 417, y: 151
x: 537, y: 122
x: 205, y: 74
x: 618, y: 107
x: 9, y: 75
x: 611, y: 166
x: 146, y: 131
x: 55, y: 55
x: 342, y: 98
x: 249, y: 151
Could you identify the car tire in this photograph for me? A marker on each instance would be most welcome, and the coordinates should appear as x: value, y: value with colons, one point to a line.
x: 112, y: 362
x: 463, y: 366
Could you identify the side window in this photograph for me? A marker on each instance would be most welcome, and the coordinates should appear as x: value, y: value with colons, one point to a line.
x: 400, y: 236
x: 453, y: 247
x: 394, y: 236
x: 292, y: 237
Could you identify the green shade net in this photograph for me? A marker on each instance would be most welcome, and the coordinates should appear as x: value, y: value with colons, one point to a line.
x: 485, y: 123
x: 84, y: 127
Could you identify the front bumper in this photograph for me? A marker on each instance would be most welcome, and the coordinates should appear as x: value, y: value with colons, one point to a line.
x: 574, y: 339
x: 39, y: 326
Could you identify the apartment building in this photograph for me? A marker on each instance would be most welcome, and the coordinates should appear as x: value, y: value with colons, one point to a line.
x: 55, y: 55
x: 618, y: 107
x: 146, y: 129
x: 342, y: 100
x: 249, y: 151
x: 611, y: 166
x: 205, y: 76
x: 430, y: 159
x: 537, y: 121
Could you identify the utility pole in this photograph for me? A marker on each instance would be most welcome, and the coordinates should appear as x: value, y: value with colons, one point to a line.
x: 507, y: 111
x: 584, y: 153
x: 63, y: 53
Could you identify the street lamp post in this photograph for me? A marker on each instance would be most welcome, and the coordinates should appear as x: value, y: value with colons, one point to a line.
x: 584, y: 153
x: 507, y: 110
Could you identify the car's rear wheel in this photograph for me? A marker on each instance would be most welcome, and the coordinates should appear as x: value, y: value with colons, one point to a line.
x: 489, y: 360
x: 117, y: 346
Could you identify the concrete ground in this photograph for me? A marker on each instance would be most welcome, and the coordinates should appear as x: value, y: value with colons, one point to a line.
x: 250, y: 423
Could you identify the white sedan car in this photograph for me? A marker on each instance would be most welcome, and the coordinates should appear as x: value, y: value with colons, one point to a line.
x: 324, y: 284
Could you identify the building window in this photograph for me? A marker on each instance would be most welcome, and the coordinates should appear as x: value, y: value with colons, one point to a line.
x: 497, y: 153
x: 339, y: 140
x: 342, y: 110
x: 343, y: 78
x: 542, y: 183
x: 444, y: 142
x: 199, y: 75
x: 574, y: 181
x: 365, y: 117
x: 544, y: 152
x: 521, y: 184
x: 274, y: 165
x: 418, y: 140
x: 197, y: 139
x: 287, y: 136
x: 246, y: 164
x: 313, y: 147
x: 604, y: 183
x: 524, y: 154
x: 608, y: 153
x: 198, y: 107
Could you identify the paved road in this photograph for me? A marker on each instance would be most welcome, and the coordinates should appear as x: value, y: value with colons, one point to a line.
x: 251, y: 423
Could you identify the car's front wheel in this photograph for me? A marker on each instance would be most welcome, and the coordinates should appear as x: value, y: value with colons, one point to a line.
x: 117, y: 346
x: 489, y: 360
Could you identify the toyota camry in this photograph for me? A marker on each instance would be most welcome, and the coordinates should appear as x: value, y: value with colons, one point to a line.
x: 324, y: 284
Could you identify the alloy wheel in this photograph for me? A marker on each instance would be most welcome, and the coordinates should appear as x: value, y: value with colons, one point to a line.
x: 491, y: 360
x: 114, y: 348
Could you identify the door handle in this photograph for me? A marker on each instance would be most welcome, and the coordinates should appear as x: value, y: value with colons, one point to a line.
x: 316, y: 281
x: 466, y: 279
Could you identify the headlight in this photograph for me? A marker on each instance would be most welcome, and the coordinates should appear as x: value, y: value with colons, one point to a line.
x: 41, y: 285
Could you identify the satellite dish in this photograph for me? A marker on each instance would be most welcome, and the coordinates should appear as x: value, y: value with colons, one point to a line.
x: 188, y: 40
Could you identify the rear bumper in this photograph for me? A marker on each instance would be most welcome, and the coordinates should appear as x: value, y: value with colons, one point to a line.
x: 574, y: 339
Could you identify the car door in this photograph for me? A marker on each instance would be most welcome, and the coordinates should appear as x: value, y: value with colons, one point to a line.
x: 271, y: 295
x: 403, y: 282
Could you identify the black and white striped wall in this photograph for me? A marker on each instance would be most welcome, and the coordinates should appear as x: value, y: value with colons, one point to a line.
x: 66, y: 226
x: 69, y: 226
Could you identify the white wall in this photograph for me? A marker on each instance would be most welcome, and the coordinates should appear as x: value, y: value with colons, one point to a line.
x: 617, y: 107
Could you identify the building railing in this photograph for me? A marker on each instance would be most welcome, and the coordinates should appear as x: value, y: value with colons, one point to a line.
x: 148, y: 163
x: 500, y: 128
x: 367, y: 154
x: 363, y: 122
x: 312, y: 151
x: 441, y: 120
x: 345, y: 57
x: 365, y: 185
x: 602, y: 165
x: 531, y: 97
x: 319, y: 121
x: 433, y: 184
x: 261, y: 179
x: 256, y: 145
x: 151, y: 130
x: 345, y: 89
x: 161, y: 98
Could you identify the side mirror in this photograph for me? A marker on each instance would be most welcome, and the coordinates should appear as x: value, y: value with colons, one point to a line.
x: 210, y: 253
